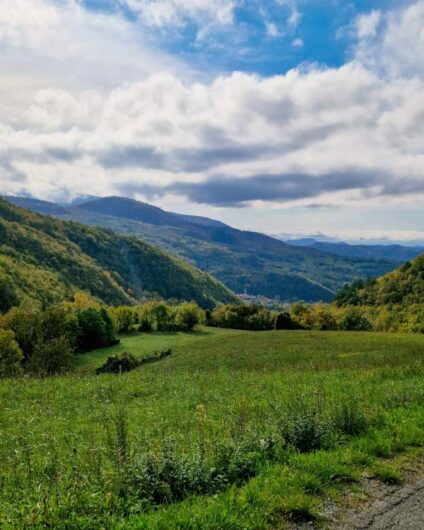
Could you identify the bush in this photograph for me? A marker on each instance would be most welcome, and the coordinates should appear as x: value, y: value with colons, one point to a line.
x: 60, y: 321
x: 285, y: 321
x: 120, y: 363
x: 354, y: 320
x: 306, y: 429
x: 156, y: 316
x: 125, y: 362
x: 249, y: 317
x: 51, y: 357
x: 26, y: 323
x: 95, y: 329
x: 188, y: 316
x: 123, y: 318
x: 11, y: 355
x: 157, y: 356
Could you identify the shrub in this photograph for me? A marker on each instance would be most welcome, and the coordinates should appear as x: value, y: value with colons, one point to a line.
x: 188, y: 316
x: 11, y: 355
x: 125, y: 362
x: 285, y: 321
x: 249, y: 317
x: 156, y: 356
x: 51, y: 357
x: 157, y: 315
x: 306, y: 429
x: 120, y: 363
x: 60, y: 321
x: 354, y: 320
x: 123, y: 318
x: 95, y: 329
x: 26, y: 323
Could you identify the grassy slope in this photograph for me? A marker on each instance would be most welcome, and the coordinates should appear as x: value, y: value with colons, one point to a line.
x: 49, y: 259
x: 54, y: 433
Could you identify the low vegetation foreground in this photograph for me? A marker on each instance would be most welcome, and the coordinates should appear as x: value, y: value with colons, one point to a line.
x: 234, y: 429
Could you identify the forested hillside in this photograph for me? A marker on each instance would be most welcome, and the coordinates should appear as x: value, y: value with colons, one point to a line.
x: 244, y: 261
x: 49, y: 260
x: 404, y: 285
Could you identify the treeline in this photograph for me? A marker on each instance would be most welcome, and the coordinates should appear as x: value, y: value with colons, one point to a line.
x: 43, y: 341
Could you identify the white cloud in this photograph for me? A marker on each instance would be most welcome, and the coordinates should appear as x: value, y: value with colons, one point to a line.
x: 393, y: 43
x: 294, y: 14
x: 297, y: 43
x: 367, y: 25
x: 272, y: 29
x: 164, y: 13
x: 353, y: 133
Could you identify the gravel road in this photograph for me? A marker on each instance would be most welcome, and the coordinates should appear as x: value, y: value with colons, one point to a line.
x: 404, y: 510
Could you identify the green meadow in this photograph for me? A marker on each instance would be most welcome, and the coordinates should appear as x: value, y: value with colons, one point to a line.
x: 235, y: 430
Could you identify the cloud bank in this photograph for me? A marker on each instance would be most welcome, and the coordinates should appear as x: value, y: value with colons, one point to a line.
x: 102, y: 111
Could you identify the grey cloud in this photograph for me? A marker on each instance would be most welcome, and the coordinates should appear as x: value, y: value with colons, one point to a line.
x: 235, y: 192
x: 284, y: 187
x: 13, y: 174
x: 190, y: 160
x: 223, y: 151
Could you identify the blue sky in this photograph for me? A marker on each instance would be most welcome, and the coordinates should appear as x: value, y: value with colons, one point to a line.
x: 320, y: 34
x: 284, y: 116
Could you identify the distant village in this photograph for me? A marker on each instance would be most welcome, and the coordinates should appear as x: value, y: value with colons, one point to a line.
x: 269, y: 303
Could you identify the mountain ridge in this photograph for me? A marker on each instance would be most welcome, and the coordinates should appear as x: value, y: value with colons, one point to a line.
x: 50, y: 259
x: 245, y: 261
x: 393, y: 252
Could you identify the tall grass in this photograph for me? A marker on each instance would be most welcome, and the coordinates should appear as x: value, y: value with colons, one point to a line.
x: 234, y: 430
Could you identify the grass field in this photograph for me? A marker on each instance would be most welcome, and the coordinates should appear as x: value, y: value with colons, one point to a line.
x: 236, y: 430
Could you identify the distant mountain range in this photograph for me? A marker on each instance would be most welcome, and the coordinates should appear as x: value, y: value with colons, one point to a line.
x: 244, y: 261
x: 397, y: 253
x: 49, y: 260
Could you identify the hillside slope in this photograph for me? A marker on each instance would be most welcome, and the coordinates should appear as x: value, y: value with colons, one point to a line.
x: 404, y: 285
x: 244, y: 261
x: 49, y: 259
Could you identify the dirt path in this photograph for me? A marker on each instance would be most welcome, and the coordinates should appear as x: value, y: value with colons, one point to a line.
x: 403, y: 510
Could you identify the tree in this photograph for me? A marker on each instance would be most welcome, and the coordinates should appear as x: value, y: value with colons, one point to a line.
x: 188, y: 316
x: 26, y: 323
x: 11, y: 355
x: 354, y: 320
x: 8, y: 296
x: 123, y: 318
x: 157, y: 316
x: 95, y: 329
x: 284, y: 321
x: 51, y: 357
x: 60, y: 320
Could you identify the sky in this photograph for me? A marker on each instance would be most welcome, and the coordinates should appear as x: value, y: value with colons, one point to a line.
x: 294, y: 117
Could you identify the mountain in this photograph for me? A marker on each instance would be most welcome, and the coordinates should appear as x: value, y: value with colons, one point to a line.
x: 397, y: 253
x: 49, y: 259
x: 242, y: 260
x: 404, y: 285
